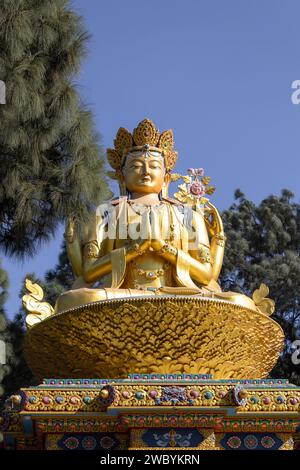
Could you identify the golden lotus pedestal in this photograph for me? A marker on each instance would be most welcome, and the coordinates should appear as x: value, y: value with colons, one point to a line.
x: 176, y: 373
x: 174, y: 334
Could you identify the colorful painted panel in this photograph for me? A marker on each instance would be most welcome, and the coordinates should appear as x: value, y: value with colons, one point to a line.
x: 86, y: 441
x: 158, y: 437
x: 251, y: 441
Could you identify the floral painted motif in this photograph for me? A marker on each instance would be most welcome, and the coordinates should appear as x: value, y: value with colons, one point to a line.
x: 172, y: 394
x: 234, y: 442
x: 89, y: 443
x: 250, y: 442
x: 71, y: 443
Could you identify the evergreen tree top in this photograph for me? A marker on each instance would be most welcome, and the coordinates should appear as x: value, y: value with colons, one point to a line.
x: 51, y: 163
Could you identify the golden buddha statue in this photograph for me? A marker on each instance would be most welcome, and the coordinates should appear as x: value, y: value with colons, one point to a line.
x: 145, y: 243
x: 144, y: 248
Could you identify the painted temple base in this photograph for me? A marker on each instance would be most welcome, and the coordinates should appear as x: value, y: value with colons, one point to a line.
x: 155, y: 334
x: 168, y: 411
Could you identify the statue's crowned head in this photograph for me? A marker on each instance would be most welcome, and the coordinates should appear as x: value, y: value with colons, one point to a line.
x: 143, y: 161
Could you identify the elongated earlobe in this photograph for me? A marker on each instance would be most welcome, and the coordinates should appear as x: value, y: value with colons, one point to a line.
x: 122, y: 185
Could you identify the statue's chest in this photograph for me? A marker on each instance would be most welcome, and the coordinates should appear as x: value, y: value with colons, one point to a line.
x: 148, y: 270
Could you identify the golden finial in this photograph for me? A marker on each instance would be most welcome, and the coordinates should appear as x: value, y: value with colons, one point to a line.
x: 32, y: 302
x: 265, y: 305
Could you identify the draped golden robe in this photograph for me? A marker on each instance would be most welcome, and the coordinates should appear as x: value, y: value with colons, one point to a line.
x: 115, y: 227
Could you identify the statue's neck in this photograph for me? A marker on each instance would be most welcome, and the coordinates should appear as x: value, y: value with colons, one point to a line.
x: 147, y: 199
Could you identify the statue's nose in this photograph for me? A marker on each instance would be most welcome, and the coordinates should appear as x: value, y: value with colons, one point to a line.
x: 146, y: 169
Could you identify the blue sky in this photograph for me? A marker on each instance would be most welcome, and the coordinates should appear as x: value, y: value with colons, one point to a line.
x: 218, y: 72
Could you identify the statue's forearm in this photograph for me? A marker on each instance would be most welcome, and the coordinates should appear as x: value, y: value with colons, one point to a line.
x: 97, y: 267
x: 94, y: 269
x: 217, y: 242
x: 75, y: 255
x: 200, y: 272
x: 217, y: 253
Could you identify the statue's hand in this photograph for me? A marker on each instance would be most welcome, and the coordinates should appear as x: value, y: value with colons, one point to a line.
x: 157, y: 244
x: 70, y: 230
x: 213, y: 220
x: 157, y: 241
x: 137, y: 247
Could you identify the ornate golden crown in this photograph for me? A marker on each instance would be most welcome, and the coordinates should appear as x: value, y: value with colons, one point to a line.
x: 145, y: 134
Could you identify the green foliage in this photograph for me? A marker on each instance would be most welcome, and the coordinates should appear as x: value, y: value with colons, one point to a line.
x: 50, y: 160
x: 263, y: 245
x: 59, y: 279
x: 51, y: 164
x: 55, y: 282
x: 18, y: 373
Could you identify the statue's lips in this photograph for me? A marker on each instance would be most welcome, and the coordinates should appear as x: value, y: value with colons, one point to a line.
x: 145, y: 180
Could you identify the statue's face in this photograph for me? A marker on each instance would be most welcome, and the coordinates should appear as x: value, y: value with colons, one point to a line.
x: 144, y: 172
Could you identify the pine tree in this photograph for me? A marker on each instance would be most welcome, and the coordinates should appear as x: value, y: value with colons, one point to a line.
x: 7, y: 357
x: 18, y: 374
x: 50, y: 165
x: 263, y: 246
x: 59, y: 279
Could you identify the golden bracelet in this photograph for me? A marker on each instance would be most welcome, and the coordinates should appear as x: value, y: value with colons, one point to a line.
x: 168, y: 249
x: 91, y: 249
x: 135, y: 249
x: 204, y: 255
x: 220, y: 239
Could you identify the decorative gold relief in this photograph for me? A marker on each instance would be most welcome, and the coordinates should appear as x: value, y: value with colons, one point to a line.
x: 146, y: 133
x: 266, y: 306
x: 154, y: 334
x: 33, y: 303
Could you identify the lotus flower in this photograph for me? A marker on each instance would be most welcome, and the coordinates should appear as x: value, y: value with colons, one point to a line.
x: 197, y: 189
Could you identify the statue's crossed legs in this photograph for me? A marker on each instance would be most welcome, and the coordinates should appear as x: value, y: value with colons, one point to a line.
x: 83, y: 296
